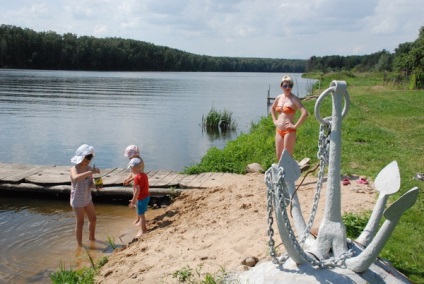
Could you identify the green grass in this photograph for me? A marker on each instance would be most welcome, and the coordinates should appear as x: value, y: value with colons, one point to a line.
x: 355, y: 223
x: 80, y: 276
x: 195, y: 276
x: 384, y: 123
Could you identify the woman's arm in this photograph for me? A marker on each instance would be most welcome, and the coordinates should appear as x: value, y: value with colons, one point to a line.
x: 272, y: 108
x: 303, y: 113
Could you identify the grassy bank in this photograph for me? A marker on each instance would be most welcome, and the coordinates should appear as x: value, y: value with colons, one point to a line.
x: 384, y: 123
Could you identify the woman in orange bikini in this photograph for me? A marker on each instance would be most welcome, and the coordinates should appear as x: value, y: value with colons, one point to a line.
x: 282, y: 111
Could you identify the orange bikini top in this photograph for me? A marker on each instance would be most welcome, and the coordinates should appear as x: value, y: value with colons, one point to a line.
x: 285, y: 109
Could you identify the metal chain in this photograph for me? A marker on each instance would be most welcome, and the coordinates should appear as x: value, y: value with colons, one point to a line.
x: 281, y: 197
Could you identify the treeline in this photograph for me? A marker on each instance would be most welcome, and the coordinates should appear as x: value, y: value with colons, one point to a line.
x: 25, y: 48
x: 379, y: 61
x: 407, y: 62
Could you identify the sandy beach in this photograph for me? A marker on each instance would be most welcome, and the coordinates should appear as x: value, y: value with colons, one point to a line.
x: 216, y: 229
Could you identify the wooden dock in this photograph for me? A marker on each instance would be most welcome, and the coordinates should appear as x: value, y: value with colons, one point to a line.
x: 55, y: 180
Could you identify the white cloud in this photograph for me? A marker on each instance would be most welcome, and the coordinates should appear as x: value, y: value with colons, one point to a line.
x: 253, y: 28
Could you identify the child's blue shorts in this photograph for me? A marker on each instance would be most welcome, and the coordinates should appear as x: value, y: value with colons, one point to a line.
x: 142, y: 205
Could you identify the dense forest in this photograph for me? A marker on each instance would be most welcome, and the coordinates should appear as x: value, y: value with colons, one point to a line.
x: 25, y: 48
x: 406, y: 63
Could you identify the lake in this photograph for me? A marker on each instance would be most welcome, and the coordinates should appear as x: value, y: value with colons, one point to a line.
x: 46, y: 115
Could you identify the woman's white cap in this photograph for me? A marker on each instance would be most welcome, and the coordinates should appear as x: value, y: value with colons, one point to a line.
x: 132, y: 151
x: 81, y: 152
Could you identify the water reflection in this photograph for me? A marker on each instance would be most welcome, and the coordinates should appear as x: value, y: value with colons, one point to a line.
x: 218, y: 134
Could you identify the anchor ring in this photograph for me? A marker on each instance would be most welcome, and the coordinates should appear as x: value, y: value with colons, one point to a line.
x: 330, y: 90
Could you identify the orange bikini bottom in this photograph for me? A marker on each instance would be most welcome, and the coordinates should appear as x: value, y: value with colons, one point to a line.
x: 284, y: 132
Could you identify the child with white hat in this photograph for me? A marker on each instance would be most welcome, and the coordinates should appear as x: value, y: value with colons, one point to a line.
x: 81, y: 183
x: 141, y: 196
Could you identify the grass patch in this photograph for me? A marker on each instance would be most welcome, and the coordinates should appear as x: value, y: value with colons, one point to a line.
x: 355, y: 223
x: 195, y: 276
x: 80, y: 276
x: 384, y: 123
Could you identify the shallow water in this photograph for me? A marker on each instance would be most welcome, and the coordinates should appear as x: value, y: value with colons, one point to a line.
x: 37, y: 237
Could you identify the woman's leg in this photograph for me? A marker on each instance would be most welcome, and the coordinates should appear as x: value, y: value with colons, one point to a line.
x: 279, y: 145
x: 79, y: 215
x: 91, y: 214
x: 290, y: 141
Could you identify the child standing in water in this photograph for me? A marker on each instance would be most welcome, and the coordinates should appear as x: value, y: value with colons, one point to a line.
x: 81, y: 184
x: 132, y: 151
x: 141, y: 196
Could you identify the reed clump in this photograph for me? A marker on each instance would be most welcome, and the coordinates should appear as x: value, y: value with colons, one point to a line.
x: 219, y: 120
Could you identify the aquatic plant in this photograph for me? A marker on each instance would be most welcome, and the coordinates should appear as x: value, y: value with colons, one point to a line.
x: 219, y: 120
x: 111, y: 242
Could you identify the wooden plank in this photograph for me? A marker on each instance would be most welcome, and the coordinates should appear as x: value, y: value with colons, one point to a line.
x: 186, y: 180
x: 6, y: 173
x: 50, y: 177
x: 156, y: 180
x: 213, y: 180
x: 151, y: 174
x: 20, y: 176
x: 13, y: 169
x: 115, y: 177
x: 62, y: 170
x: 105, y: 172
x: 172, y: 180
x: 58, y: 174
x: 199, y: 180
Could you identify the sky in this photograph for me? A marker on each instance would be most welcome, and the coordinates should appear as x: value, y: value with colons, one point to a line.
x: 296, y: 29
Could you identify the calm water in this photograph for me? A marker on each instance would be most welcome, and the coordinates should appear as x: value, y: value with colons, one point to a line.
x: 46, y: 115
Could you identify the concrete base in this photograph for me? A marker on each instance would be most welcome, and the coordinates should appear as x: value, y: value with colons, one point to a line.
x: 269, y: 273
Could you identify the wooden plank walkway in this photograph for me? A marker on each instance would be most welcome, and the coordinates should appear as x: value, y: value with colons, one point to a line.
x: 55, y: 180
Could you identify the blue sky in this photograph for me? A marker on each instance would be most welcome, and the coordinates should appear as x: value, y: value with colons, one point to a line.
x: 296, y: 29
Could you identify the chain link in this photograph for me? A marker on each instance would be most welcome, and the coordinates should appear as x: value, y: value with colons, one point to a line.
x: 277, y: 191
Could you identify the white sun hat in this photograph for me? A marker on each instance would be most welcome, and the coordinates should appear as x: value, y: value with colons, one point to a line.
x: 81, y: 152
x: 135, y: 162
x: 132, y: 151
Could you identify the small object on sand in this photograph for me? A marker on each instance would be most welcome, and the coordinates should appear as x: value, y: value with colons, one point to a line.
x: 250, y: 261
x: 346, y: 181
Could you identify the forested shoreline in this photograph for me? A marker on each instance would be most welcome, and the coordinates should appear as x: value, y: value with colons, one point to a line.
x: 23, y: 48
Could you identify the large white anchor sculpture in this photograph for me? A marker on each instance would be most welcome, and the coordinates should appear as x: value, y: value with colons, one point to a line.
x: 331, y: 247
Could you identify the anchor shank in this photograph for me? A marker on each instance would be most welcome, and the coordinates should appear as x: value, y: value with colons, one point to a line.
x: 333, y: 198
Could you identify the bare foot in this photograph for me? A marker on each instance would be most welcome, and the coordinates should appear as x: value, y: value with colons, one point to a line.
x: 139, y: 234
